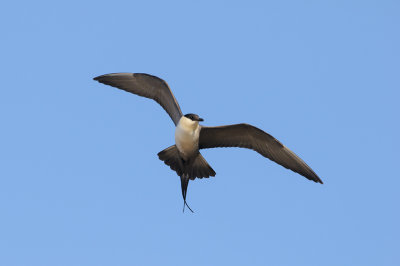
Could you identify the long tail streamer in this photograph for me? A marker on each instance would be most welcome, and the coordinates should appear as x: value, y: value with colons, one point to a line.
x: 184, y: 186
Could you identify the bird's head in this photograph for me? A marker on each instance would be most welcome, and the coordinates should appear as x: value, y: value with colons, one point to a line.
x: 194, y: 117
x: 190, y: 121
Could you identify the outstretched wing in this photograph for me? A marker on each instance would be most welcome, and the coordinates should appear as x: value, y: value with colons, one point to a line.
x: 147, y: 86
x: 247, y: 136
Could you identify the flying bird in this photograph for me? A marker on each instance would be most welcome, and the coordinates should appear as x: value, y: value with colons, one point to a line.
x: 184, y: 157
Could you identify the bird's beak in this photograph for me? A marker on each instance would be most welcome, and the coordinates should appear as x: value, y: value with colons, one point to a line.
x: 200, y: 119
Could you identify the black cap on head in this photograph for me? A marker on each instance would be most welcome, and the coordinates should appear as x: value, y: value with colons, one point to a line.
x: 194, y: 117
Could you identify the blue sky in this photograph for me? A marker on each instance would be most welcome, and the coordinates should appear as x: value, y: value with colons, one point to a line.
x: 80, y: 181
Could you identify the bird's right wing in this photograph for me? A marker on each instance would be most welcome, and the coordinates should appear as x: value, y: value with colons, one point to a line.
x: 248, y: 136
x: 147, y: 86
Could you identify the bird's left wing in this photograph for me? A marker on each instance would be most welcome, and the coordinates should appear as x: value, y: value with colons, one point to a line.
x: 248, y: 136
x: 147, y: 86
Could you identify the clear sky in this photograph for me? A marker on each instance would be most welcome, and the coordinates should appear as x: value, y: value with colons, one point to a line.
x: 80, y: 180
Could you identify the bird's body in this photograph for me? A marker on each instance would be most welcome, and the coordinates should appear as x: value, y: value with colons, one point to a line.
x: 184, y: 157
x: 187, y: 134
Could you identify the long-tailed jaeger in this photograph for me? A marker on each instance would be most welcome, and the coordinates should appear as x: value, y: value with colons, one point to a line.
x: 184, y: 157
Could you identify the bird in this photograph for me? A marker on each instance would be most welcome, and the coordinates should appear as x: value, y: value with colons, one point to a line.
x: 184, y: 156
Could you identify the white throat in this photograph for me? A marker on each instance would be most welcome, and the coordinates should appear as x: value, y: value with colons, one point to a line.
x: 187, y: 137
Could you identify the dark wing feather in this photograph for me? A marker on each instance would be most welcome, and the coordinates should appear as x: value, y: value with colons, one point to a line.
x: 247, y: 136
x: 147, y: 86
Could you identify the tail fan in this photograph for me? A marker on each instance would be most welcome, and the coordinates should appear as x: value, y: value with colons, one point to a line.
x: 196, y: 167
x: 170, y: 156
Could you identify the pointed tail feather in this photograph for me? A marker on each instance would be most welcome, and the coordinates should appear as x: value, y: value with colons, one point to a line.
x: 184, y: 186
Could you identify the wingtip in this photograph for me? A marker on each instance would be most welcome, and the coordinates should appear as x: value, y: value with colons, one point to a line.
x: 98, y: 77
x: 113, y: 75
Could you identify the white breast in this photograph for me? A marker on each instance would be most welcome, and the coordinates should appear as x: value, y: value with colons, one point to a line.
x: 187, y: 137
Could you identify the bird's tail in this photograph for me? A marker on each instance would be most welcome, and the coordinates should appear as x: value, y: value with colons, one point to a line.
x: 196, y: 167
x: 184, y: 186
x: 187, y: 170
